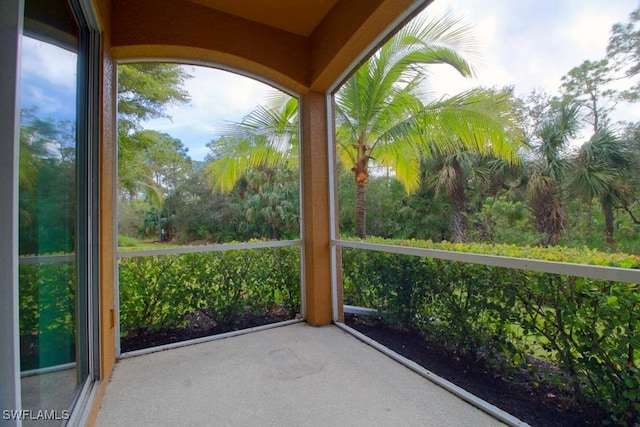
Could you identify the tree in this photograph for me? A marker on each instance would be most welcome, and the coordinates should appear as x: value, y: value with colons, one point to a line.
x: 451, y: 175
x: 599, y: 171
x: 164, y: 163
x: 381, y: 118
x: 202, y: 214
x: 257, y: 155
x: 466, y: 161
x: 587, y: 85
x: 47, y: 218
x: 266, y: 137
x: 624, y: 51
x: 161, y: 163
x: 548, y: 167
x: 145, y: 90
x: 273, y: 201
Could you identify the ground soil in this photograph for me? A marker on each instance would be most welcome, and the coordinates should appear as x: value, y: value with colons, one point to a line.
x: 200, y: 325
x: 536, y: 405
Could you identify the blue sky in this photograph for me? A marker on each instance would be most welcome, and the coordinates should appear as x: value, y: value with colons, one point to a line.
x: 217, y: 98
x: 530, y: 44
x: 48, y: 80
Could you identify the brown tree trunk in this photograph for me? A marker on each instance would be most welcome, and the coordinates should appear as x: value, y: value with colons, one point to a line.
x: 549, y: 214
x: 458, y: 201
x: 457, y: 225
x: 607, y: 211
x: 159, y: 219
x: 556, y: 220
x: 361, y: 175
x: 361, y: 211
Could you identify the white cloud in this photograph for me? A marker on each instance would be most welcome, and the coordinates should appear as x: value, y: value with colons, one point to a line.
x: 531, y: 44
x: 589, y: 33
x: 217, y: 97
x: 46, y: 103
x: 49, y: 63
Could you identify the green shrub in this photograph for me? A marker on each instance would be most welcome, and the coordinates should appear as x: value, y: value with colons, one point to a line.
x: 279, y: 273
x: 47, y: 314
x: 157, y: 292
x: 589, y: 329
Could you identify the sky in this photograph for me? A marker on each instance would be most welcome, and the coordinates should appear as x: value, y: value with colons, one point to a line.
x: 217, y: 98
x: 530, y: 44
x: 533, y: 43
x: 48, y: 79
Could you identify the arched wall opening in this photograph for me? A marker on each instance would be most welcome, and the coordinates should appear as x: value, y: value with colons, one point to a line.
x: 209, y: 204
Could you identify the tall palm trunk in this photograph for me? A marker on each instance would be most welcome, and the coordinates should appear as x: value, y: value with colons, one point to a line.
x: 457, y: 224
x: 458, y: 201
x: 361, y: 211
x: 361, y: 175
x: 550, y: 215
x: 607, y: 211
x: 457, y: 220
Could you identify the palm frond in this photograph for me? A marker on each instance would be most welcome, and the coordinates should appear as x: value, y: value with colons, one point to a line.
x: 267, y: 137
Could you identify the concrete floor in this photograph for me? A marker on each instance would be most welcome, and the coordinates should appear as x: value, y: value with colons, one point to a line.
x: 296, y: 375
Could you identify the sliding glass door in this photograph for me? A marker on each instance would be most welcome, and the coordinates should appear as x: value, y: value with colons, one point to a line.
x: 48, y: 215
x: 55, y: 334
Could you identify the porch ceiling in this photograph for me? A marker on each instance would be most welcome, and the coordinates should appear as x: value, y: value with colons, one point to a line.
x: 300, y: 45
x: 294, y: 16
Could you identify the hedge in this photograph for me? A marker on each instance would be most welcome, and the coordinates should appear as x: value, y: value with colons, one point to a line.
x: 47, y: 314
x: 588, y: 329
x: 158, y: 292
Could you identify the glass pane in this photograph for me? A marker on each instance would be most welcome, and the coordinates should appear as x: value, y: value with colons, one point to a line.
x: 48, y: 280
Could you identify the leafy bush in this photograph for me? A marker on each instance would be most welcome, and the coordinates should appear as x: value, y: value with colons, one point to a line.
x: 588, y: 329
x: 503, y: 221
x: 157, y: 292
x: 47, y: 314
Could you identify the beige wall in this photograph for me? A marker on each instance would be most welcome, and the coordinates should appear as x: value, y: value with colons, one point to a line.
x: 315, y: 204
x: 107, y: 219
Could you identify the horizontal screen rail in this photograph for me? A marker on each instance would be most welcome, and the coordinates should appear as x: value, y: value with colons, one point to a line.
x: 45, y: 259
x: 210, y: 248
x: 615, y: 274
x: 48, y: 370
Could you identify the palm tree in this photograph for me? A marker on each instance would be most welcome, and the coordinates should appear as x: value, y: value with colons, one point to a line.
x: 468, y: 135
x: 453, y: 175
x: 267, y: 137
x: 548, y: 169
x: 599, y: 171
x: 381, y: 118
x: 272, y: 200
